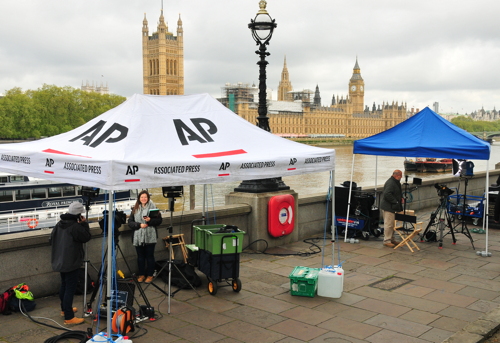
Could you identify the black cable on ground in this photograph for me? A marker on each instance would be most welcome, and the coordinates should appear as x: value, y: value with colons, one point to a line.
x: 307, y: 240
x: 81, y: 335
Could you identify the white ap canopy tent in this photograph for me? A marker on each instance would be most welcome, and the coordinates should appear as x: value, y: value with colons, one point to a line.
x: 154, y: 141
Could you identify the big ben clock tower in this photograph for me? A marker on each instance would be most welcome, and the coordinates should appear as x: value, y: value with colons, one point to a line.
x: 357, y: 90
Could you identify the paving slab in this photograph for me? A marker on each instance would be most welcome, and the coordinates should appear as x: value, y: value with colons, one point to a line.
x: 451, y: 295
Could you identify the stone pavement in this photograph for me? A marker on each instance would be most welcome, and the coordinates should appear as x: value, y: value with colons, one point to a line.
x: 431, y: 295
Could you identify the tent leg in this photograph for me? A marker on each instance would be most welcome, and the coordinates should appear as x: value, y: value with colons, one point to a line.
x: 110, y: 258
x: 349, y: 201
x: 486, y: 253
x: 334, y: 238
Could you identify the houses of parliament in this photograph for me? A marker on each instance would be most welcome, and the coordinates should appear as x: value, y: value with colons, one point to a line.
x: 294, y: 114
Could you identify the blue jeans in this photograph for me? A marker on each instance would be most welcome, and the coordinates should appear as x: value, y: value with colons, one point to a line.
x: 146, y: 259
x: 69, y: 282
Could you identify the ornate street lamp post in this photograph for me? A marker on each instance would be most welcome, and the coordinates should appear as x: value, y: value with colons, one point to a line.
x: 262, y: 30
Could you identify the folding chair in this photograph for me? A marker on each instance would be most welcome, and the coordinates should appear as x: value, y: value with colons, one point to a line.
x: 407, y: 237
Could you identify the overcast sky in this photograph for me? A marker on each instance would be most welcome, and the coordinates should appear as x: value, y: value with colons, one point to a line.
x: 418, y: 52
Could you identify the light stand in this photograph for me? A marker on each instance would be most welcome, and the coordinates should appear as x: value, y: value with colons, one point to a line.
x: 89, y: 193
x: 171, y: 193
x: 262, y: 30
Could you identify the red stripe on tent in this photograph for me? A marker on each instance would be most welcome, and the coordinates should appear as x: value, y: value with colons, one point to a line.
x: 52, y: 151
x: 292, y: 169
x: 48, y: 171
x: 223, y: 174
x: 133, y: 180
x: 222, y: 153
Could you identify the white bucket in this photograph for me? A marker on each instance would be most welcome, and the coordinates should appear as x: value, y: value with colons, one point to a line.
x: 331, y: 282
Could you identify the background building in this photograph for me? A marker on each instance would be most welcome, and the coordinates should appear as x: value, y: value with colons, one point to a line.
x: 163, y: 59
x: 94, y: 88
x: 300, y: 113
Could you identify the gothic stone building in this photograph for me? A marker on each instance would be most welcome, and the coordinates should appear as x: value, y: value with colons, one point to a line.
x: 298, y: 113
x: 163, y: 59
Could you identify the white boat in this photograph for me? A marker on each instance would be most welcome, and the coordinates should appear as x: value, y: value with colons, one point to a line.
x: 31, y: 204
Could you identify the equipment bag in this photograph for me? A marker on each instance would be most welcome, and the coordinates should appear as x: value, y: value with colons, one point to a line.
x: 178, y: 274
x: 22, y: 297
x: 4, y: 301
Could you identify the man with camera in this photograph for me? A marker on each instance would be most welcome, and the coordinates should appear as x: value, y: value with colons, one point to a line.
x: 67, y: 239
x: 392, y: 201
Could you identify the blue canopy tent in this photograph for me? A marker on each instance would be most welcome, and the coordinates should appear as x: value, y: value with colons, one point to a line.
x: 426, y: 134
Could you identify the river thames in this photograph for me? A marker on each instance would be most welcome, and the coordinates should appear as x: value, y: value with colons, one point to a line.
x: 306, y: 184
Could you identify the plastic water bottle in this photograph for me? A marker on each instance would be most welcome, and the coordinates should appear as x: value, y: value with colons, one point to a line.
x: 126, y: 340
x: 352, y: 240
x: 100, y: 337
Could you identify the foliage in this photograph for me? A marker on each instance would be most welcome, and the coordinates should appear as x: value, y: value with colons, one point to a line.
x: 470, y: 125
x: 50, y: 110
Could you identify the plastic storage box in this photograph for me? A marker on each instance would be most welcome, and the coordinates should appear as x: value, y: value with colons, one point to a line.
x: 224, y: 243
x: 200, y: 233
x: 304, y: 281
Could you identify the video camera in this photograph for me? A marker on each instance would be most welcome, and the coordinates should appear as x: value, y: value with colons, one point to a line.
x: 443, y: 190
x: 120, y: 219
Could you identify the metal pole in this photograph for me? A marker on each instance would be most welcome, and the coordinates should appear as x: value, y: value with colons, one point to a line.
x: 109, y: 257
x: 263, y: 119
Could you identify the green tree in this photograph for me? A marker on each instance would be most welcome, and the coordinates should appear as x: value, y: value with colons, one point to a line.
x: 50, y: 110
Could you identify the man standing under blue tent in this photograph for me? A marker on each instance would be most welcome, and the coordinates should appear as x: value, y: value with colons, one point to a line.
x: 391, y: 202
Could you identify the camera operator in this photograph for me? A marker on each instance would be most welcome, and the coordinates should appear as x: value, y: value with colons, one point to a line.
x: 392, y: 201
x: 67, y: 239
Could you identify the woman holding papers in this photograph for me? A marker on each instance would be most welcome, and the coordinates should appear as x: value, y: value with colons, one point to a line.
x: 143, y: 220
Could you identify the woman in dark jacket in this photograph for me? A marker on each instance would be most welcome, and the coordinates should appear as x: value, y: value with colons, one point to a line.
x: 145, y: 235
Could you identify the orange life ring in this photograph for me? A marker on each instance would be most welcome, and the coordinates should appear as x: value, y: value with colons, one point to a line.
x: 32, y: 223
x: 280, y: 217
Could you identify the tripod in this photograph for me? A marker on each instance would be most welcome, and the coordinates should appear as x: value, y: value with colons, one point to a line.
x: 464, y: 229
x: 170, y: 262
x: 440, y: 218
x: 146, y: 310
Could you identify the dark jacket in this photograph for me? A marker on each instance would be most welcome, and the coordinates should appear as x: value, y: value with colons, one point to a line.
x: 67, y: 240
x: 391, y: 196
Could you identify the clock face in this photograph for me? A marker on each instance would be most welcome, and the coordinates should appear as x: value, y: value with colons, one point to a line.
x: 361, y: 88
x: 353, y: 88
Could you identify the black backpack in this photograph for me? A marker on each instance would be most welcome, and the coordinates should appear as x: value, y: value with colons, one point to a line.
x: 81, y: 282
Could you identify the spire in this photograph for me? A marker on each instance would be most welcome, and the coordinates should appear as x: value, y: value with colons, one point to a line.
x: 317, y: 97
x: 285, y: 76
x: 179, y: 26
x: 162, y: 27
x: 356, y: 72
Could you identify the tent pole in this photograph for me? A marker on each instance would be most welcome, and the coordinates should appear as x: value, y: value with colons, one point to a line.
x: 332, y: 195
x: 485, y: 212
x: 349, y: 201
x: 204, y: 211
x: 109, y: 257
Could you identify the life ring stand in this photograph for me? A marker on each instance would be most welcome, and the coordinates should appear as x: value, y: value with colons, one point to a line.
x: 32, y: 223
x: 280, y: 218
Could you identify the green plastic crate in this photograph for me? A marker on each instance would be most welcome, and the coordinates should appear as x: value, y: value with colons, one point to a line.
x: 200, y: 233
x: 224, y: 243
x: 304, y: 281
